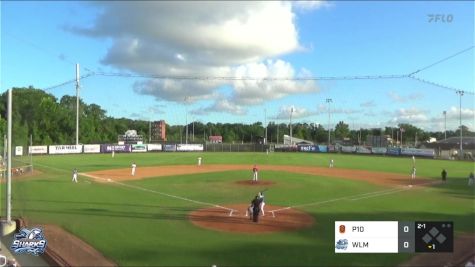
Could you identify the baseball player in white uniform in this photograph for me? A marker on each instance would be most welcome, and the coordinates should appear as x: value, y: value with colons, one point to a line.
x: 261, y: 196
x: 199, y: 161
x: 255, y: 171
x: 331, y: 163
x: 413, y: 174
x: 133, y: 168
x: 75, y: 175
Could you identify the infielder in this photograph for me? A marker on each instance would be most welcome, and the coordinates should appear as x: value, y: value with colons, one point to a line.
x: 133, y: 168
x: 413, y: 173
x: 331, y: 163
x: 255, y: 171
x: 75, y: 175
x: 199, y: 161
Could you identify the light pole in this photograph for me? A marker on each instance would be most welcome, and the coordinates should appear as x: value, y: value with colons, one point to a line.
x: 460, y: 118
x: 265, y: 123
x: 77, y: 104
x: 445, y: 124
x: 186, y: 119
x: 329, y: 100
x: 291, y: 111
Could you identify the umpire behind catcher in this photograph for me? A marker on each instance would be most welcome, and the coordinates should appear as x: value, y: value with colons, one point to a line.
x: 256, y: 208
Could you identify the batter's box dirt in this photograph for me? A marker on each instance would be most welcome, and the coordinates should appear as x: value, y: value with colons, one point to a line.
x: 255, y: 183
x: 219, y: 219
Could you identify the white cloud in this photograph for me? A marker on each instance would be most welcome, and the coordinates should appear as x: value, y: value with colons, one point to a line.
x: 297, y: 113
x: 401, y: 99
x: 253, y: 92
x: 210, y: 39
x: 368, y: 104
x: 221, y: 106
x: 467, y: 113
x: 411, y: 115
x: 323, y: 109
x: 309, y: 5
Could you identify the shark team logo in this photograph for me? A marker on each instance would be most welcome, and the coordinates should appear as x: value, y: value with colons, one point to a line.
x: 29, y: 241
x: 342, y: 244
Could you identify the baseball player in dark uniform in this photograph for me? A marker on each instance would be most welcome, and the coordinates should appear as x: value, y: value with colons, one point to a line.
x: 444, y: 175
x: 256, y: 208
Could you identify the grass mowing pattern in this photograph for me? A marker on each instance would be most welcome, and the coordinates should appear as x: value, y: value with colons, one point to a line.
x: 140, y: 228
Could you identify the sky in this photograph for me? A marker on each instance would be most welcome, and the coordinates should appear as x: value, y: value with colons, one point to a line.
x: 41, y: 42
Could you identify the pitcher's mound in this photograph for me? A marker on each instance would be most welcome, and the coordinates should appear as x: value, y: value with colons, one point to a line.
x: 219, y: 219
x: 252, y: 183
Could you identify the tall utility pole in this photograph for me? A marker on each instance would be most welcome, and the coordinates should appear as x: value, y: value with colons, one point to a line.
x: 445, y: 124
x: 149, y: 131
x: 186, y: 119
x: 291, y: 111
x: 265, y: 123
x: 77, y: 104
x: 193, y: 129
x: 9, y: 158
x: 460, y: 117
x: 329, y: 100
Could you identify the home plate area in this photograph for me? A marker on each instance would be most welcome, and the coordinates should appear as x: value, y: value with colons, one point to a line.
x: 220, y: 219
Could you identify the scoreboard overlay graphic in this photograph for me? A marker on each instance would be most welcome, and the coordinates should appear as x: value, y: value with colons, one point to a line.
x: 393, y: 236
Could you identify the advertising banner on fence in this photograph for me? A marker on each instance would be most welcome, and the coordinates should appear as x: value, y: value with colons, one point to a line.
x: 154, y: 147
x: 363, y: 150
x: 322, y: 148
x: 189, y: 147
x: 394, y: 151
x: 308, y: 148
x: 139, y: 148
x: 169, y: 147
x: 65, y: 149
x: 331, y: 148
x: 92, y: 148
x: 116, y: 148
x: 348, y: 149
x: 417, y: 152
x: 38, y: 149
x: 379, y: 150
x: 18, y: 151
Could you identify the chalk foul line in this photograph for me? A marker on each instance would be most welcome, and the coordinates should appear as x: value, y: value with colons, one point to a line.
x: 359, y: 196
x: 158, y: 192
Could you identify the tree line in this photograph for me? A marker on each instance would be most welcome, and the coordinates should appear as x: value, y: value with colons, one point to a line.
x: 48, y: 121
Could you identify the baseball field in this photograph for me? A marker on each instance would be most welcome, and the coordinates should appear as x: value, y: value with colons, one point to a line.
x: 174, y: 213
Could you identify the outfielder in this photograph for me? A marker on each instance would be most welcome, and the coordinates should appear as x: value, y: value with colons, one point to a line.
x: 255, y: 171
x: 75, y: 175
x: 331, y: 163
x: 133, y: 168
x: 471, y: 179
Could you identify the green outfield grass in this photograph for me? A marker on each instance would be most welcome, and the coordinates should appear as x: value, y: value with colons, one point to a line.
x: 137, y: 228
